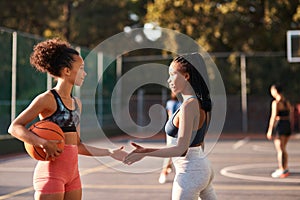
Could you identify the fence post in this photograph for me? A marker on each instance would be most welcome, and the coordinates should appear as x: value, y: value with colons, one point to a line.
x: 100, y: 61
x: 119, y: 100
x: 14, y: 75
x: 140, y: 109
x: 244, y: 93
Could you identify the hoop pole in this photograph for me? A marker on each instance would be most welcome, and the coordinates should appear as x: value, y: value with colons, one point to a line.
x: 244, y: 94
x: 14, y: 75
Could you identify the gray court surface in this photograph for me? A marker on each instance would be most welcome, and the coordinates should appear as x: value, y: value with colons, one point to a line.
x: 242, y: 171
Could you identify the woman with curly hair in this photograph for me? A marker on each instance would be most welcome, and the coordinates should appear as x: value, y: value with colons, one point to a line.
x: 58, y: 179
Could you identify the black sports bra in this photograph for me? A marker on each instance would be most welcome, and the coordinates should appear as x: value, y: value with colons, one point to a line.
x: 285, y: 112
x: 197, y: 135
x: 67, y: 119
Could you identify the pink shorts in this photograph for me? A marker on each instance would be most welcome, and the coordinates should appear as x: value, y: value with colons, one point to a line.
x: 58, y: 176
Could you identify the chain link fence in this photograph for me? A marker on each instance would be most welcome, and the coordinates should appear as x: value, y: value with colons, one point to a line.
x: 246, y: 112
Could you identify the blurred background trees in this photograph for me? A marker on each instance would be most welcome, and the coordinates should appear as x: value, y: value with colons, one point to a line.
x: 222, y: 26
x: 232, y: 26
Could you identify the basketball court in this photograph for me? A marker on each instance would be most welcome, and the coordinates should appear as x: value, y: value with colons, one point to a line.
x: 243, y: 163
x: 242, y: 171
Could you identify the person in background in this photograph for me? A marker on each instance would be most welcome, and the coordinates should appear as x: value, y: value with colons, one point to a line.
x: 280, y: 129
x: 171, y: 106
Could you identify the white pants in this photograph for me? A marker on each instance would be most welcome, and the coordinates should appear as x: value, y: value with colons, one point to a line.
x: 193, y: 177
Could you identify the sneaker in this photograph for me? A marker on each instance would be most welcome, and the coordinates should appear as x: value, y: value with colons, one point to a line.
x: 280, y: 173
x: 285, y: 174
x: 162, y: 178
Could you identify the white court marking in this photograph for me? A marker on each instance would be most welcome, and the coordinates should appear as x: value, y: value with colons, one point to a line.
x: 272, y: 149
x: 230, y: 172
x: 29, y: 189
x: 18, y: 192
x: 240, y: 143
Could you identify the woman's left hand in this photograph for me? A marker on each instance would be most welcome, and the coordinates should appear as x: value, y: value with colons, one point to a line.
x: 136, y: 155
x: 119, y: 154
x: 269, y: 135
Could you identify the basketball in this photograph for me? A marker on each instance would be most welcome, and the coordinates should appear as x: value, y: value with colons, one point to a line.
x: 47, y: 130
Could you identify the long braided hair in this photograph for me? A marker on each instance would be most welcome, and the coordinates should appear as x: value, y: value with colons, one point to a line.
x: 196, y: 79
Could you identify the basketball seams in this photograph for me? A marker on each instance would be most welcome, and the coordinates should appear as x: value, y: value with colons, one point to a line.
x: 38, y: 153
x: 47, y: 129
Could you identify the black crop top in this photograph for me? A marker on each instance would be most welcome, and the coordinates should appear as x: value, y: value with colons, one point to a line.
x: 197, y: 135
x: 67, y: 119
x: 285, y: 112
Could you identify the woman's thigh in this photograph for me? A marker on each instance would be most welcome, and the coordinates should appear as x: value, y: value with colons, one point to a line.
x: 73, y: 195
x: 56, y: 196
x: 188, y: 185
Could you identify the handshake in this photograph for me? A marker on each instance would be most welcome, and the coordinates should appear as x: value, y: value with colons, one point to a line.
x: 129, y: 158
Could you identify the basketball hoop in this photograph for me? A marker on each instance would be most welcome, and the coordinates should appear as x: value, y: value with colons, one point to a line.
x: 293, y: 46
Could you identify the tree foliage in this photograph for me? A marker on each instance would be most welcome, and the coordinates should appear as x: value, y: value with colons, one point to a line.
x: 84, y: 22
x: 229, y: 25
x: 218, y: 26
x: 238, y: 26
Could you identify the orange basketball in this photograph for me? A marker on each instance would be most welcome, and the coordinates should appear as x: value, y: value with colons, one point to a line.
x: 47, y: 130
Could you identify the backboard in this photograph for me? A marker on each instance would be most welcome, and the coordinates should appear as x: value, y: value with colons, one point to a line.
x: 293, y: 46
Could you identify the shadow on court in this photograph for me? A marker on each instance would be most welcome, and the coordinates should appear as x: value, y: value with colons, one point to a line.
x: 242, y: 171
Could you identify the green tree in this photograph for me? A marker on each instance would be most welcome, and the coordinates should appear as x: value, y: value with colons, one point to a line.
x: 229, y: 25
x: 83, y: 22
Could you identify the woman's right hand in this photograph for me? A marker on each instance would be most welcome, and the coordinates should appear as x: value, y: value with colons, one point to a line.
x: 269, y: 135
x: 51, y: 149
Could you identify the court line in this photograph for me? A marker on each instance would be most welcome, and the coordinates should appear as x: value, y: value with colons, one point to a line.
x: 83, y: 173
x: 256, y: 187
x: 216, y: 187
x: 18, y: 192
x: 16, y: 169
x: 156, y: 187
x: 227, y: 171
x: 224, y: 171
x: 99, y: 168
x: 271, y: 149
x: 240, y: 143
x: 263, y: 148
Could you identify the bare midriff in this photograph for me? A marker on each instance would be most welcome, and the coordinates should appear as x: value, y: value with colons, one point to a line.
x: 71, y: 138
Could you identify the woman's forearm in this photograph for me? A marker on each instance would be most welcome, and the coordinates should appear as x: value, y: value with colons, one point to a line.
x: 92, y: 151
x: 167, y: 152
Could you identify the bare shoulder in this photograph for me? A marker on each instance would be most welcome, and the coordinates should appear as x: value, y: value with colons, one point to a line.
x: 44, y: 100
x: 190, y: 106
x: 41, y: 104
x: 274, y: 102
x: 45, y: 96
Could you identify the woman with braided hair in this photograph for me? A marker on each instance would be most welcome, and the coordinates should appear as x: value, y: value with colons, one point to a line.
x: 188, y: 124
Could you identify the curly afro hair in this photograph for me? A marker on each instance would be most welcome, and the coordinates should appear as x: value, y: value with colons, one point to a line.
x: 52, y: 56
